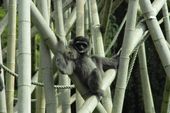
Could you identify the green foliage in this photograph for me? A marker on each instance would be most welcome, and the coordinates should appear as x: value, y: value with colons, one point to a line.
x: 37, y: 52
x: 112, y: 29
x: 2, y: 13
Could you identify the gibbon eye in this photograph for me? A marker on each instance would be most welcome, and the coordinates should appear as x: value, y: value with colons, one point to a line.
x: 81, y: 46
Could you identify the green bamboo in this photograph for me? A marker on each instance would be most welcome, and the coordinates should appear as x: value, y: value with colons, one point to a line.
x: 80, y: 18
x: 40, y: 103
x: 35, y: 79
x: 64, y: 98
x: 24, y: 56
x: 121, y: 82
x: 166, y: 95
x: 3, y: 108
x: 40, y: 95
x: 99, y: 48
x: 92, y: 101
x: 11, y: 47
x: 86, y: 20
x: 146, y: 88
x: 90, y: 25
x: 166, y: 21
x: 49, y: 8
x: 157, y: 35
x: 46, y: 65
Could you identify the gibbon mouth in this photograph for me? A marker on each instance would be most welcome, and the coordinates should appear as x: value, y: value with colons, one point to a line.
x: 81, y: 45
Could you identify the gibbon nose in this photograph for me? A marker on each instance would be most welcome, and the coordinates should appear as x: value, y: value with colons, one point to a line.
x: 81, y: 47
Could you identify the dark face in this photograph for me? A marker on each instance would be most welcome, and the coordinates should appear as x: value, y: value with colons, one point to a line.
x: 81, y: 45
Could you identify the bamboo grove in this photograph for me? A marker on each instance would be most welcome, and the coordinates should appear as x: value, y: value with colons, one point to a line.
x: 29, y: 31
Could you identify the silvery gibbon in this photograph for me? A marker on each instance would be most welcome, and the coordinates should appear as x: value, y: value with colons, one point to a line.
x: 74, y: 59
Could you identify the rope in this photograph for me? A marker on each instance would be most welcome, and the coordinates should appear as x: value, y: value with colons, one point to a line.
x: 134, y: 54
x: 36, y: 83
x: 8, y: 70
x: 131, y: 65
x: 56, y: 86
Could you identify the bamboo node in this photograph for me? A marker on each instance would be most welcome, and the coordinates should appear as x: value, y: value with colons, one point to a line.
x: 96, y: 26
x: 150, y: 18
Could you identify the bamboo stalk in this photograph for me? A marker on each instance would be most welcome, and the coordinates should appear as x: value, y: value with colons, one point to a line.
x: 11, y: 47
x: 40, y: 95
x: 90, y: 24
x: 64, y: 98
x: 166, y: 21
x: 40, y: 103
x: 46, y: 65
x: 86, y: 22
x: 121, y: 82
x: 3, y: 108
x: 42, y: 26
x: 24, y: 56
x: 166, y: 95
x: 80, y: 18
x: 146, y: 88
x: 34, y: 78
x: 99, y: 48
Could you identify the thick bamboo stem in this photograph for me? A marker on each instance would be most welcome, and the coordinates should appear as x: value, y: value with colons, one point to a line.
x: 121, y: 82
x: 146, y: 88
x: 24, y: 56
x: 46, y: 65
x: 166, y: 95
